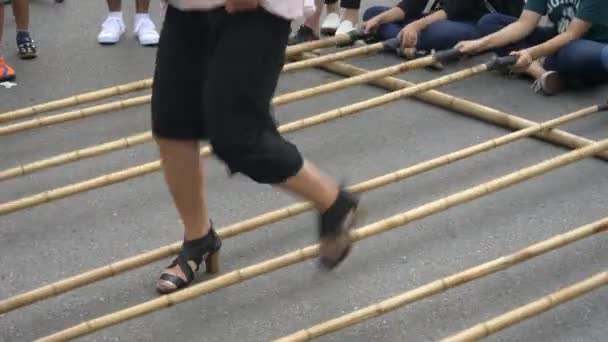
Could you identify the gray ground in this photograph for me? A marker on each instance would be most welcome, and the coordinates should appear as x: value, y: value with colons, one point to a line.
x: 63, y: 238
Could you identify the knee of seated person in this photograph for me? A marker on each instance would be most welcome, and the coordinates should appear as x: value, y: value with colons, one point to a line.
x: 372, y: 12
x: 490, y: 23
x: 604, y: 57
x: 271, y: 160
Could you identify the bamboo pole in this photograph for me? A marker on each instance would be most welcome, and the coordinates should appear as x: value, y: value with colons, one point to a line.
x: 141, y: 138
x: 80, y: 154
x: 532, y: 309
x: 125, y: 265
x: 469, y: 108
x: 323, y: 43
x: 349, y: 53
x: 303, y: 254
x: 121, y: 89
x: 444, y: 284
x: 77, y: 100
x: 74, y: 115
x: 120, y: 176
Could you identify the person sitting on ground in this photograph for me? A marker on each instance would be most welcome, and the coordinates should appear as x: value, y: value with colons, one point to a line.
x: 448, y: 22
x: 113, y: 27
x: 334, y: 23
x: 574, y: 51
x: 25, y: 44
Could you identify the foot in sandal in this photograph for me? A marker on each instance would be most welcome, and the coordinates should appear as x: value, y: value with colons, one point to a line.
x: 181, y: 272
x: 334, y: 229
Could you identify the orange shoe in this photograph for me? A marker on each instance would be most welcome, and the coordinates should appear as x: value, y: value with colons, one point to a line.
x: 7, y: 73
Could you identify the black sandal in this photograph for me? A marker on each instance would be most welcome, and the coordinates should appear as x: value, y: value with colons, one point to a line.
x: 26, y: 47
x: 334, y: 229
x: 193, y: 254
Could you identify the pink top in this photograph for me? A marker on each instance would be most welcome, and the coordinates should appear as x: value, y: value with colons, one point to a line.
x: 288, y: 9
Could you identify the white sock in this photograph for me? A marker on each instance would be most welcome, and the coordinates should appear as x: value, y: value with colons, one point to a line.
x: 115, y: 15
x: 140, y: 16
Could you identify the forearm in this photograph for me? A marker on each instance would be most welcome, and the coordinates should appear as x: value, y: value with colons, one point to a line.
x: 423, y: 23
x: 394, y: 14
x: 513, y: 33
x: 551, y: 46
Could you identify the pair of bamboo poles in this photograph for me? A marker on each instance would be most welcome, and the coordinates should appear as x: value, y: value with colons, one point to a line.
x: 439, y: 205
x: 147, y: 83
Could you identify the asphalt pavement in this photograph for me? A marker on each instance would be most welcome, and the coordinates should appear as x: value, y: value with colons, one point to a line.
x: 65, y: 237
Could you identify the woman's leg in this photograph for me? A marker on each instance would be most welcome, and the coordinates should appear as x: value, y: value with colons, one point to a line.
x: 25, y: 43
x: 385, y: 31
x: 491, y: 23
x: 350, y: 10
x: 244, y: 134
x: 444, y: 34
x: 581, y: 60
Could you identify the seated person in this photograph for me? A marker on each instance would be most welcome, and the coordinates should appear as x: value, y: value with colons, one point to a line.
x: 573, y: 51
x: 450, y: 21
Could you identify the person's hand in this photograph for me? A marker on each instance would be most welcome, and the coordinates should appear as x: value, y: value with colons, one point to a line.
x: 524, y: 60
x: 233, y: 6
x: 409, y: 36
x: 371, y: 25
x: 470, y: 47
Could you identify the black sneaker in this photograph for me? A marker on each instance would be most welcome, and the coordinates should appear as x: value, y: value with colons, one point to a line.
x: 334, y: 229
x: 304, y: 34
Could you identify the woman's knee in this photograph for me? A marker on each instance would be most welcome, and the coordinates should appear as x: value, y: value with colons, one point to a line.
x: 493, y: 22
x: 445, y: 34
x: 269, y: 159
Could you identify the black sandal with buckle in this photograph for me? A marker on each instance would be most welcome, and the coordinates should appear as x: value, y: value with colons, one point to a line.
x: 192, y: 255
x: 26, y: 47
x: 334, y: 229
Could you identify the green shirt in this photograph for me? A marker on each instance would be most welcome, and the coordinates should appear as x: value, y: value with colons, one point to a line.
x: 561, y: 13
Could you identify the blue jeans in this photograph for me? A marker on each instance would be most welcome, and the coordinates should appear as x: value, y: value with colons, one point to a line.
x: 440, y: 35
x: 582, y: 59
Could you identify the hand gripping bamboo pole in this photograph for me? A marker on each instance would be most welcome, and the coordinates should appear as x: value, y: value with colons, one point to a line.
x: 312, y: 251
x: 77, y: 100
x: 104, y: 180
x: 141, y: 138
x: 532, y: 309
x: 101, y: 94
x: 444, y: 284
x: 469, y: 108
x: 125, y: 265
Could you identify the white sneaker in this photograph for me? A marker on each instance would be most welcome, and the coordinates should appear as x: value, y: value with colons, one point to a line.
x: 345, y: 27
x: 111, y: 30
x: 330, y: 24
x: 146, y: 31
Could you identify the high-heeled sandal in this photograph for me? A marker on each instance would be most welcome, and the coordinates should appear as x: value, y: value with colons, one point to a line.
x: 192, y: 255
x: 334, y: 229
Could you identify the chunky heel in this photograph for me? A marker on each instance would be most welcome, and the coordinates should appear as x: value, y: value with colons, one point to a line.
x: 212, y: 262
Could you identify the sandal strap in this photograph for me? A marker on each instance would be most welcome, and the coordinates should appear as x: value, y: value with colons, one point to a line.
x: 193, y: 254
x: 177, y: 281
